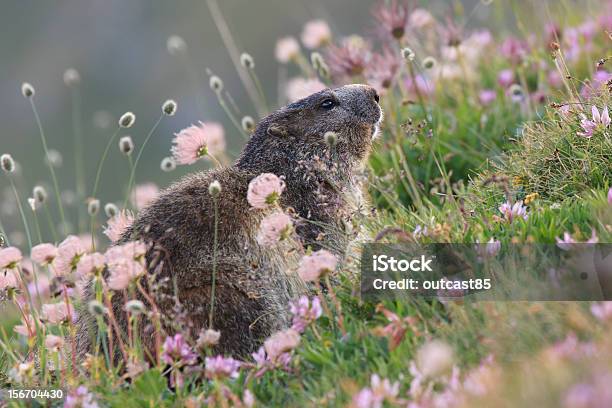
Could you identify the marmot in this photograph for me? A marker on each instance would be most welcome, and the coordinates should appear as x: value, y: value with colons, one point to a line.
x: 253, y: 286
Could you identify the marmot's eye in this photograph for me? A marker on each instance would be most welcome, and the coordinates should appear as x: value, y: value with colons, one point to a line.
x: 328, y: 104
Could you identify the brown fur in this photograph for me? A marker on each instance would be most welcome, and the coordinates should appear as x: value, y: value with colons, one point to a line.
x: 254, y: 284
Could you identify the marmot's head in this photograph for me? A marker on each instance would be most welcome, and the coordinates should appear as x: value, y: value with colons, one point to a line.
x: 295, y: 134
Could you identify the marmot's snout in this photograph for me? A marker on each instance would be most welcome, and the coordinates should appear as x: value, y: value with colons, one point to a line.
x: 363, y: 101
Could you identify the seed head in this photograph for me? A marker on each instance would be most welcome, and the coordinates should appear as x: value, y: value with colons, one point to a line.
x: 127, y: 120
x: 135, y: 306
x: 54, y: 158
x: 318, y: 63
x: 216, y: 84
x: 429, y: 63
x: 176, y: 45
x: 331, y: 138
x: 214, y: 189
x: 126, y: 145
x: 32, y: 204
x: 208, y: 338
x: 408, y: 54
x: 168, y: 164
x: 93, y: 207
x: 516, y: 92
x: 27, y: 90
x: 248, y: 124
x: 247, y: 61
x: 316, y: 59
x: 72, y: 77
x: 39, y: 194
x: 111, y: 210
x: 96, y: 308
x: 7, y: 163
x: 169, y: 107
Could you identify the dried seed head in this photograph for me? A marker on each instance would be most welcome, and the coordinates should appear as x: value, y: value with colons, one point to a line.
x: 96, y: 308
x: 169, y: 107
x: 126, y: 145
x: 40, y: 194
x: 27, y: 90
x: 429, y: 63
x: 248, y: 124
x: 176, y: 45
x: 408, y: 54
x: 214, y: 189
x: 486, y: 2
x: 127, y: 120
x: 7, y: 163
x: 247, y: 61
x: 135, y: 307
x: 216, y: 84
x: 208, y: 338
x: 318, y: 63
x: 331, y: 138
x: 72, y: 77
x: 516, y: 92
x: 168, y: 164
x: 316, y: 59
x: 54, y: 158
x: 111, y: 210
x: 93, y: 207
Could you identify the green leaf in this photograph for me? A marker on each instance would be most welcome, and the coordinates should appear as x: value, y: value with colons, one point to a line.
x: 149, y: 386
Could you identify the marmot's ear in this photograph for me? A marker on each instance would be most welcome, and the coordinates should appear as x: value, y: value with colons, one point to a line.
x: 277, y: 130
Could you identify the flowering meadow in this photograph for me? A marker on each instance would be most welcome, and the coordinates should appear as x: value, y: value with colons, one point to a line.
x: 488, y: 137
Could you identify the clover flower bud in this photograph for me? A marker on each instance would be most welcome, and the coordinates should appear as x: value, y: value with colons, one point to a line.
x: 126, y: 145
x: 331, y: 138
x: 27, y: 90
x: 7, y: 163
x: 169, y: 107
x: 176, y: 45
x: 127, y: 120
x: 248, y: 124
x: 247, y: 61
x: 429, y: 63
x: 72, y: 77
x: 214, y: 189
x: 408, y: 54
x: 93, y: 207
x: 168, y: 164
x: 96, y: 308
x: 39, y: 194
x: 111, y: 210
x: 216, y: 84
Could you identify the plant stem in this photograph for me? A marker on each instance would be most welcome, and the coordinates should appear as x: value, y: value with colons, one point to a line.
x: 22, y: 213
x: 260, y: 90
x: 214, y: 271
x: 101, y: 163
x: 51, y: 169
x: 133, y: 171
x: 231, y: 115
x: 79, y: 166
x: 332, y: 294
x: 232, y: 50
